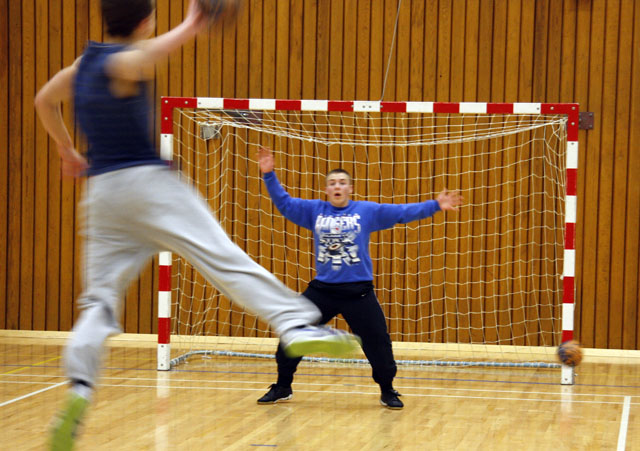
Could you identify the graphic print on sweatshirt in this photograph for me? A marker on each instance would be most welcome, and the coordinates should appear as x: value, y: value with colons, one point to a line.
x: 336, y: 238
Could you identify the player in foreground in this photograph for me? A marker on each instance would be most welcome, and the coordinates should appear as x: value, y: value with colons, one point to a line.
x: 136, y: 206
x: 344, y: 281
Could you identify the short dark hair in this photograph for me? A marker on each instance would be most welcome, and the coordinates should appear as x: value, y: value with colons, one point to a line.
x: 340, y: 171
x: 123, y: 16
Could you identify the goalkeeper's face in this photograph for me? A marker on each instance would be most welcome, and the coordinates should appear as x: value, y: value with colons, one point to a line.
x: 339, y: 189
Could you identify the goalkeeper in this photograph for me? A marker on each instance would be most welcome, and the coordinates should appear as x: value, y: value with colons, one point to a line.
x: 344, y: 281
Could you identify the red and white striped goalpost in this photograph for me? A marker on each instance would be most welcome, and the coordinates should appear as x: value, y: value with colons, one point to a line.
x: 571, y: 110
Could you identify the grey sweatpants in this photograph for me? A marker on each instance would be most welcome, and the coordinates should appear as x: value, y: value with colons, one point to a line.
x: 134, y: 213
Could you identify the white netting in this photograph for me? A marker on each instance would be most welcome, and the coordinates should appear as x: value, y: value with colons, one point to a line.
x: 488, y: 274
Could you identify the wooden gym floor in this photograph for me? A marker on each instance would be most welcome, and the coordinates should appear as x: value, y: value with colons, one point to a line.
x: 210, y: 404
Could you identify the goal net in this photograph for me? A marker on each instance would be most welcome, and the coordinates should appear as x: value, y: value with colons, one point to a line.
x: 483, y: 285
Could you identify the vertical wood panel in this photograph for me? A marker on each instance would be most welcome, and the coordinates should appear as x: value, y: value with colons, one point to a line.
x: 604, y: 329
x: 28, y: 165
x: 595, y: 33
x: 15, y: 165
x: 623, y: 15
x: 632, y: 266
x: 4, y: 160
x: 585, y: 310
x: 41, y: 175
x: 627, y: 166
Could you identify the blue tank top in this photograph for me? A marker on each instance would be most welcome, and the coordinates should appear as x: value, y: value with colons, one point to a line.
x: 117, y: 129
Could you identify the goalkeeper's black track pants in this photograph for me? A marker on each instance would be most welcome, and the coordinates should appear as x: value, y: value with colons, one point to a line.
x: 358, y: 305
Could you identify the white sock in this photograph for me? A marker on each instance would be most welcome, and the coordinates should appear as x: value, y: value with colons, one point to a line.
x: 82, y: 391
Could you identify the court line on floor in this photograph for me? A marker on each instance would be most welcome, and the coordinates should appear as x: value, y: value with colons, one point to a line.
x: 298, y: 384
x: 399, y: 377
x: 31, y: 365
x: 336, y: 392
x: 28, y: 395
x: 624, y: 423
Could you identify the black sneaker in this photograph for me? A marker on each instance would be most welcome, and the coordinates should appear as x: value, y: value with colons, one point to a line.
x: 390, y: 400
x: 276, y: 394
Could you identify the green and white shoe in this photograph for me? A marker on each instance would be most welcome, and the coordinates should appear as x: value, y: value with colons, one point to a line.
x: 63, y: 431
x: 319, y: 339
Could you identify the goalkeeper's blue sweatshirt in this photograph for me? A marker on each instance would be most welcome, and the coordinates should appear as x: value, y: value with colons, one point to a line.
x: 341, y: 235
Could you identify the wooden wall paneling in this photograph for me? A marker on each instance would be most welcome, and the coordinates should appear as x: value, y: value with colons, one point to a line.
x: 147, y: 299
x: 554, y: 52
x: 322, y: 51
x: 458, y: 289
x: 622, y: 207
x: 457, y: 51
x: 591, y: 232
x: 549, y: 309
x: 372, y: 175
x: 607, y: 323
x: 525, y: 93
x: 389, y: 56
x: 15, y: 165
x: 175, y: 59
x: 489, y: 50
x: 363, y: 52
x: 430, y: 323
x: 4, y: 160
x: 272, y: 242
x: 485, y: 292
x: 499, y: 50
x: 512, y: 52
x: 59, y: 39
x: 377, y: 64
x: 447, y: 81
x: 511, y: 83
x: 414, y: 174
x: 63, y: 41
x: 311, y: 182
x: 263, y: 246
x: 631, y: 339
x: 430, y: 57
x: 499, y: 76
x: 76, y: 186
x: 568, y: 52
x: 396, y: 246
x: 484, y: 62
x: 41, y: 173
x: 540, y: 37
x: 28, y: 163
x: 348, y: 63
x: 293, y: 74
x: 254, y: 76
x: 335, y: 81
x: 473, y: 296
x: 526, y: 68
x: 283, y: 63
x: 349, y: 78
x: 243, y: 153
x: 336, y: 36
x: 54, y: 271
x: 585, y: 307
x: 534, y: 309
